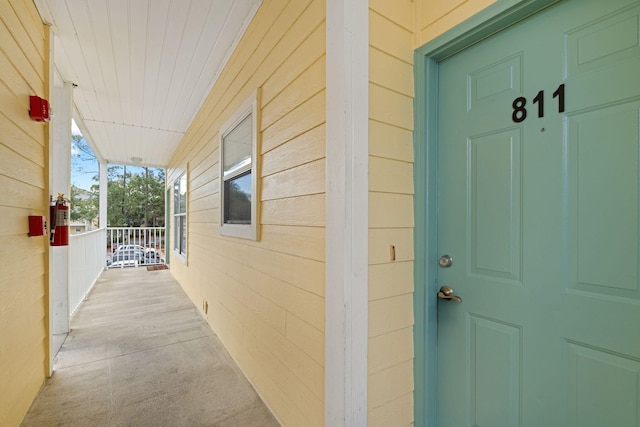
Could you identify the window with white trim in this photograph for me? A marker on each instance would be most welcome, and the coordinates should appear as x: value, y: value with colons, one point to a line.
x: 238, y: 163
x: 180, y: 215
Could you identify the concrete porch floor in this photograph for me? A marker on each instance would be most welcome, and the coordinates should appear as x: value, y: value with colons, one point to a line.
x: 140, y: 354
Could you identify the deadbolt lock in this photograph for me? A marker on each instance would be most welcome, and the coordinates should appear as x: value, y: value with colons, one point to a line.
x: 445, y: 261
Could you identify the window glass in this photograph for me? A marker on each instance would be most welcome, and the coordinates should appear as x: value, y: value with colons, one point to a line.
x: 239, y: 172
x: 177, y: 230
x: 183, y: 241
x: 237, y: 199
x: 237, y: 147
x: 180, y: 215
x: 176, y: 196
x: 183, y: 194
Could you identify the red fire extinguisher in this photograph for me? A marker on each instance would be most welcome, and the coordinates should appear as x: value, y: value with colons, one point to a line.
x: 59, y: 211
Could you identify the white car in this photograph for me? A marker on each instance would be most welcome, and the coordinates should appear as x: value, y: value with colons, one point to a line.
x: 144, y: 255
x: 129, y: 248
x: 126, y: 258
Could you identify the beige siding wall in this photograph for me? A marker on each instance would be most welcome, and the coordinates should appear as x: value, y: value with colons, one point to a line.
x: 391, y: 213
x: 396, y: 29
x: 23, y: 180
x: 266, y: 298
x: 434, y: 17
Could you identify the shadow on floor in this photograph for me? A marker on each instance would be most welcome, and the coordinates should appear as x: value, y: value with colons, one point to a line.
x: 140, y: 354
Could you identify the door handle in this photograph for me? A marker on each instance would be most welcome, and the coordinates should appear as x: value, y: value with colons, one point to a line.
x: 446, y: 292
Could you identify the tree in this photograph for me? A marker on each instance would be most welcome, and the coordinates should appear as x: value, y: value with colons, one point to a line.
x: 84, y: 204
x: 135, y: 195
x: 82, y: 157
x: 135, y: 199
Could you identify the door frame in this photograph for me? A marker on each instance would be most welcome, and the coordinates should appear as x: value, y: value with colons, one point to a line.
x: 494, y: 18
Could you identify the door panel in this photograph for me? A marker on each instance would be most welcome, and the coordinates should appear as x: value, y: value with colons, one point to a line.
x: 495, y: 369
x: 538, y: 171
x: 604, y: 199
x: 603, y: 388
x: 494, y: 205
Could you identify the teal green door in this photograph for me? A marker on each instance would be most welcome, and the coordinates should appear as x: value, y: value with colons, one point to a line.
x: 538, y: 208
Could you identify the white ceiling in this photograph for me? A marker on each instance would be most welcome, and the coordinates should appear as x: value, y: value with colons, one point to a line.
x: 142, y: 67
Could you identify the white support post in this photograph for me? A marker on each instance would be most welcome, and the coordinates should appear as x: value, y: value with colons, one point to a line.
x: 347, y: 142
x: 103, y: 195
x: 60, y: 182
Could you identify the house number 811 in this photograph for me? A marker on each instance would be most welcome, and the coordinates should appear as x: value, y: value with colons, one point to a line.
x: 519, y: 104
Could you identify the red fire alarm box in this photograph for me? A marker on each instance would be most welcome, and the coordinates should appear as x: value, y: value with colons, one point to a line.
x: 37, y: 225
x: 39, y: 109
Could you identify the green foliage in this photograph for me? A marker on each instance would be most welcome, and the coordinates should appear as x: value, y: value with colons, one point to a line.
x: 84, y: 204
x: 134, y: 199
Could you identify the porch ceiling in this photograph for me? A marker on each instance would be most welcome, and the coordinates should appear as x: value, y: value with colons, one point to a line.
x: 142, y: 67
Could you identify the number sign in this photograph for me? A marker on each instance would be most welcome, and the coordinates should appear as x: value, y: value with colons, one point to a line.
x: 520, y: 112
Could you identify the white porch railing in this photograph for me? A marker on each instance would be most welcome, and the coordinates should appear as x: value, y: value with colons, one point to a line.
x: 135, y: 246
x: 86, y: 262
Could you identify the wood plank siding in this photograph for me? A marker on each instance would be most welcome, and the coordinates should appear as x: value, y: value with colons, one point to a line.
x: 390, y: 386
x: 396, y: 28
x: 23, y: 179
x: 437, y: 16
x: 266, y: 297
